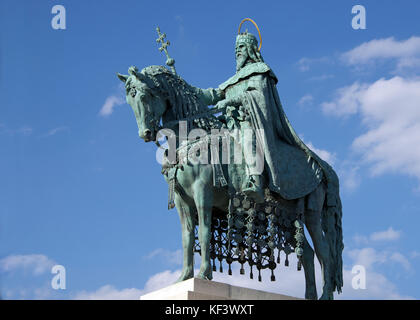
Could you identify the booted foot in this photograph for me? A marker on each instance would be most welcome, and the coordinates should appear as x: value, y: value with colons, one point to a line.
x: 185, y: 275
x: 253, y: 189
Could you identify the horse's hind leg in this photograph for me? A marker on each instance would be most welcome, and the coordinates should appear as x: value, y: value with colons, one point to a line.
x: 186, y: 215
x: 309, y: 268
x: 313, y: 224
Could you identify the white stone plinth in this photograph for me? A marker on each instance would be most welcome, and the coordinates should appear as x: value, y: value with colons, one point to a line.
x: 198, y: 289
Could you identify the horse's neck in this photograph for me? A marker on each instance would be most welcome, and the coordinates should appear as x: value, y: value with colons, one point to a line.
x: 168, y: 118
x: 183, y: 106
x: 172, y: 116
x: 173, y: 122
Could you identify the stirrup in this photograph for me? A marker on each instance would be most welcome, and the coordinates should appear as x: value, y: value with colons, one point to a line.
x: 254, y: 192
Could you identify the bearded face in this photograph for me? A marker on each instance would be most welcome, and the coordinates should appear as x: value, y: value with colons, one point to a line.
x: 241, y: 55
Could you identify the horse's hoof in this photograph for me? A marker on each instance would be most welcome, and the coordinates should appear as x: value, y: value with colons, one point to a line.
x: 327, y: 296
x: 313, y: 296
x: 205, y: 276
x: 184, y: 277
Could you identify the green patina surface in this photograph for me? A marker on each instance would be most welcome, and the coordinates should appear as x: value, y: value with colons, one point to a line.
x: 243, y: 215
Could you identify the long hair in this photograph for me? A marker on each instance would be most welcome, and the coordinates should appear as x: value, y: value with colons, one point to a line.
x: 253, y: 53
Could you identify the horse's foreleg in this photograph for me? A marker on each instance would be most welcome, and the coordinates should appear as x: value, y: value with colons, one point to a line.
x: 309, y: 268
x: 313, y: 223
x: 203, y: 198
x: 186, y: 216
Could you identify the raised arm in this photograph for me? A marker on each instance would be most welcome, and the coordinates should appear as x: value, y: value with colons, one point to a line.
x: 209, y: 96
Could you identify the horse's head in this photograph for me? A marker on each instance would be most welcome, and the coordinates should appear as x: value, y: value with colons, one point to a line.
x: 144, y: 98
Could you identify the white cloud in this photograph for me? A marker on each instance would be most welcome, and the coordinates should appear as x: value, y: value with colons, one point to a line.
x: 379, y: 236
x: 401, y: 259
x: 172, y: 257
x: 54, y: 131
x: 367, y: 257
x: 349, y: 176
x: 304, y: 64
x: 378, y: 287
x: 321, y: 77
x: 181, y: 28
x: 405, y: 52
x: 109, y: 292
x: 346, y: 101
x: 35, y: 263
x: 110, y: 103
x: 390, y: 111
x: 370, y: 258
x: 306, y: 100
x: 161, y: 280
x: 23, y: 130
x: 414, y: 254
x: 387, y: 235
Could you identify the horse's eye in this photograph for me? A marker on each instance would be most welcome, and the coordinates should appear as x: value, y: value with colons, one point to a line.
x: 133, y: 92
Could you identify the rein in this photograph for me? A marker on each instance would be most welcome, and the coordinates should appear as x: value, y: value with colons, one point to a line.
x: 197, y: 116
x: 194, y: 117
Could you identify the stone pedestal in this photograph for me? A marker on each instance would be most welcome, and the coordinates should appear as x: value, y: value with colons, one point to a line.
x: 198, y: 289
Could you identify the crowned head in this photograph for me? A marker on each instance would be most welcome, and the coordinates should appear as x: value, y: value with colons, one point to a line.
x: 246, y: 50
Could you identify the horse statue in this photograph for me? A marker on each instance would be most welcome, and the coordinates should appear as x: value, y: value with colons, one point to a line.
x: 218, y: 219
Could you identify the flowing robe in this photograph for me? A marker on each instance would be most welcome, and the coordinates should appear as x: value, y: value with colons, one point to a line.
x: 291, y: 167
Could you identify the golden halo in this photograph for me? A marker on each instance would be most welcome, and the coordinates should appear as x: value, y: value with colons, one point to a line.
x: 253, y: 22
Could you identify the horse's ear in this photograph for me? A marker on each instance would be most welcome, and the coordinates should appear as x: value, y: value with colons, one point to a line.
x: 141, y: 77
x: 122, y: 77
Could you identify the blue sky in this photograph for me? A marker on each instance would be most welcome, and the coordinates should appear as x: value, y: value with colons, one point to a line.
x: 80, y: 189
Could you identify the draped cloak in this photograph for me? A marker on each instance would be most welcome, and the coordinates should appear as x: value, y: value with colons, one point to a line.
x: 292, y: 168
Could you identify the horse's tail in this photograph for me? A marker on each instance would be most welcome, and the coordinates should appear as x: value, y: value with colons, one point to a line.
x: 331, y: 225
x: 331, y: 216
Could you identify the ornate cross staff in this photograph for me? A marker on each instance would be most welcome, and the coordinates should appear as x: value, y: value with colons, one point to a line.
x: 169, y: 61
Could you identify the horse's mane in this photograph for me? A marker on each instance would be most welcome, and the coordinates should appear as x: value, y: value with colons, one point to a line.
x: 181, y: 95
